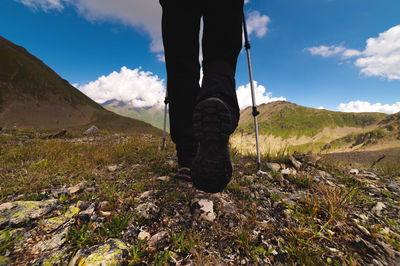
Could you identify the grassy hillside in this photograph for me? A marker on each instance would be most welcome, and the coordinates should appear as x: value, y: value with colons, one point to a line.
x: 33, y: 96
x: 152, y: 115
x: 285, y: 120
x: 285, y: 124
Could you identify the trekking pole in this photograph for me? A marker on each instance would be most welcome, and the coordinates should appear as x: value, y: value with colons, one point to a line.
x: 255, y: 112
x: 166, y: 101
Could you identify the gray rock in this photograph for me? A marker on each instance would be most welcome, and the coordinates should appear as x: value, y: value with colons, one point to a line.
x: 55, y: 242
x: 75, y: 189
x: 113, y: 252
x: 273, y: 166
x: 57, y: 257
x: 93, y: 130
x: 143, y: 235
x: 354, y: 171
x: 155, y: 239
x: 14, y: 213
x: 53, y: 223
x: 394, y: 186
x: 378, y: 208
x: 163, y: 178
x: 112, y: 168
x: 288, y: 171
x: 148, y: 195
x: 87, y: 214
x: 205, y: 208
x: 265, y: 175
x: 147, y: 210
x: 294, y: 162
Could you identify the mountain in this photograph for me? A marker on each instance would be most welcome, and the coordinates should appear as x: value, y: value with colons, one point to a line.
x: 285, y: 124
x: 153, y: 115
x: 33, y: 96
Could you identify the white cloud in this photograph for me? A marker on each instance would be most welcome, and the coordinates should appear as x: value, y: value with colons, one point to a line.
x: 43, y: 4
x: 327, y: 51
x: 137, y: 87
x: 321, y: 108
x: 359, y: 106
x: 380, y: 58
x: 382, y: 55
x: 257, y: 23
x: 261, y: 94
x: 348, y: 53
x: 143, y: 15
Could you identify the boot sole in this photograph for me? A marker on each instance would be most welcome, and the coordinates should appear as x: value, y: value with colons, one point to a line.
x: 212, y: 167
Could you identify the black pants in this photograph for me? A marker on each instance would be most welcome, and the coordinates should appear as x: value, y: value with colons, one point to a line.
x: 222, y: 42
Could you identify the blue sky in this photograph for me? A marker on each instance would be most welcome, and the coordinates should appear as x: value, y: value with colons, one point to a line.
x: 337, y: 54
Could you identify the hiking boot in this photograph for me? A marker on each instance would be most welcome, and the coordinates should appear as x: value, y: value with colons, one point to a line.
x: 212, y: 125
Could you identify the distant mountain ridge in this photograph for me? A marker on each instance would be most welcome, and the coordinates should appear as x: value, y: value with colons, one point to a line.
x: 32, y: 95
x: 320, y: 130
x: 153, y: 115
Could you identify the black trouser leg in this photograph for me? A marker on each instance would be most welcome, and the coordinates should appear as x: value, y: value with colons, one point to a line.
x: 222, y: 42
x: 180, y: 29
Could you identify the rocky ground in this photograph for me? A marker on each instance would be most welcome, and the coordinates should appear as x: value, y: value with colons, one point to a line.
x: 113, y: 200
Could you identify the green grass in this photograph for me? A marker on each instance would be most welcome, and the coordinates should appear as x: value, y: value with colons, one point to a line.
x: 303, y: 121
x: 31, y: 167
x: 116, y: 225
x: 79, y: 237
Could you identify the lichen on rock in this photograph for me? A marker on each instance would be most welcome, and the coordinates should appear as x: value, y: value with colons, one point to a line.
x: 113, y: 252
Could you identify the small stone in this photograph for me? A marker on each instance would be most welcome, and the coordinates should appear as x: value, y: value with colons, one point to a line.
x: 378, y: 208
x: 148, y: 195
x: 333, y: 250
x: 163, y: 178
x: 273, y: 166
x: 294, y: 162
x: 112, y: 168
x: 105, y: 213
x: 354, y: 171
x: 206, y: 208
x: 364, y: 230
x: 87, y: 214
x: 155, y: 239
x: 144, y: 236
x: 75, y: 189
x: 148, y: 210
x: 93, y: 130
x: 288, y: 171
x: 264, y: 175
x: 363, y: 217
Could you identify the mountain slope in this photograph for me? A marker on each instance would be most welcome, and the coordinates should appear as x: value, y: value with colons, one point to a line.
x: 288, y: 124
x: 152, y: 115
x: 33, y: 96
